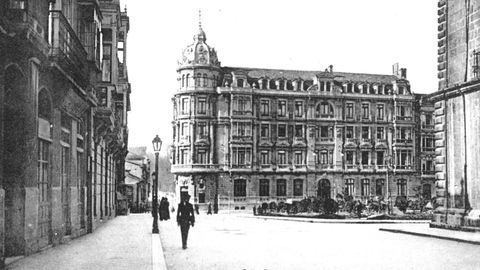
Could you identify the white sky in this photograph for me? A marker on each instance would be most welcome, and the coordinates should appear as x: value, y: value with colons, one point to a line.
x: 365, y: 36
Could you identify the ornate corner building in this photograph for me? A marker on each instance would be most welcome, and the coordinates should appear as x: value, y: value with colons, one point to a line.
x: 243, y: 136
x: 457, y: 115
x: 64, y: 98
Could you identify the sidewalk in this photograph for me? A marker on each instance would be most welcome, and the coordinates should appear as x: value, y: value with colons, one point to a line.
x: 337, y: 221
x: 125, y: 242
x: 452, y: 235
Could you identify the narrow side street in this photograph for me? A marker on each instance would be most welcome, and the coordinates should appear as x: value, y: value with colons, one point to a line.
x: 235, y: 242
x: 124, y: 242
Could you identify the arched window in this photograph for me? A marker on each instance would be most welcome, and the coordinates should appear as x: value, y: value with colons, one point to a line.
x: 272, y: 85
x: 264, y: 84
x: 324, y: 110
x: 239, y: 188
x: 198, y: 79
x: 187, y: 80
x: 307, y: 84
x: 183, y: 80
x: 240, y: 83
x: 289, y: 85
x: 323, y: 190
x: 205, y: 80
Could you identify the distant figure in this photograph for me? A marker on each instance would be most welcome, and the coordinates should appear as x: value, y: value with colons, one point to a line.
x: 160, y: 209
x: 197, y: 209
x: 166, y: 206
x: 209, y: 211
x: 185, y: 218
x: 254, y: 211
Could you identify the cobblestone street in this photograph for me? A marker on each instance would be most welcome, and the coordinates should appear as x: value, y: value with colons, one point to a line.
x: 236, y: 242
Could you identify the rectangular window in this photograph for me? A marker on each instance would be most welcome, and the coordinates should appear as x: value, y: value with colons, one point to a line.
x: 349, y: 134
x: 324, y: 132
x: 202, y: 129
x: 380, y: 111
x: 264, y: 130
x: 282, y: 158
x: 349, y: 187
x: 298, y: 108
x: 241, y: 156
x: 365, y: 187
x: 264, y: 188
x: 265, y: 157
x: 282, y: 130
x: 323, y: 157
x: 380, y: 158
x: 202, y: 156
x: 298, y: 158
x: 365, y: 133
x: 365, y: 157
x: 298, y: 187
x: 184, y: 131
x: 264, y: 107
x: 241, y: 129
x: 240, y: 188
x: 282, y: 108
x: 185, y: 106
x: 349, y: 112
x: 299, y: 131
x: 107, y: 63
x: 202, y: 106
x: 365, y: 111
x: 349, y: 157
x: 281, y: 187
x: 380, y: 133
x: 379, y: 187
x: 402, y: 187
x: 184, y: 156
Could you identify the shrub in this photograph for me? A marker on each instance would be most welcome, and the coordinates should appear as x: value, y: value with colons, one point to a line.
x: 330, y: 206
x: 358, y: 208
x: 273, y: 206
x: 281, y: 207
x: 264, y: 206
x: 402, y: 203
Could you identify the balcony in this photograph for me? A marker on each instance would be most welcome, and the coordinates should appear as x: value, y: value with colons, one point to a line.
x: 67, y: 52
x: 325, y: 139
x: 403, y: 141
x: 403, y: 118
x: 428, y: 126
x: 351, y: 167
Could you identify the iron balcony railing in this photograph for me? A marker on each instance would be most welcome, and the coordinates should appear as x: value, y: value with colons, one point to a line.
x: 67, y: 50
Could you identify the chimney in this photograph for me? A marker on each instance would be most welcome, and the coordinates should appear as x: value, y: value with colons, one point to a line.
x: 395, y: 69
x: 403, y: 73
x: 331, y: 68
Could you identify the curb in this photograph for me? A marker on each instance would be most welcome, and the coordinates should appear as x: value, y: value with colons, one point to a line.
x: 342, y: 221
x: 158, y: 258
x: 473, y: 242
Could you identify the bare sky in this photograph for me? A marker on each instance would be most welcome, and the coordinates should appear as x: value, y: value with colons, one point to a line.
x: 365, y: 36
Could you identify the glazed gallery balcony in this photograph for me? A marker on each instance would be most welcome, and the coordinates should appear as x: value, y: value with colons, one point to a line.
x: 67, y: 52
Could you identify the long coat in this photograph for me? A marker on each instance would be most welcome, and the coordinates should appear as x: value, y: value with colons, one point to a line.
x: 185, y: 215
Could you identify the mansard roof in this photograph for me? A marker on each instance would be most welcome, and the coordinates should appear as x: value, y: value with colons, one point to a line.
x: 259, y: 73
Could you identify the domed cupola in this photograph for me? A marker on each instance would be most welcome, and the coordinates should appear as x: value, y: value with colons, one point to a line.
x: 199, y: 53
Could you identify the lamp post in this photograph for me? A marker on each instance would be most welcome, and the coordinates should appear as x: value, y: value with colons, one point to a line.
x: 157, y: 145
x: 388, y: 162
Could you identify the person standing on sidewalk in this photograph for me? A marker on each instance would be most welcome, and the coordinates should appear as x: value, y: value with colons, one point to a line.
x: 185, y: 218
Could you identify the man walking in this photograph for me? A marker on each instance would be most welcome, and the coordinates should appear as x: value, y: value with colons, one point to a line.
x: 185, y: 218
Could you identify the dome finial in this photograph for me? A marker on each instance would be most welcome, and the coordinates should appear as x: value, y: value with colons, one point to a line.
x: 200, y: 18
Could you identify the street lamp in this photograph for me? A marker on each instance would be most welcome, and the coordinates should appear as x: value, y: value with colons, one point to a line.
x: 157, y: 145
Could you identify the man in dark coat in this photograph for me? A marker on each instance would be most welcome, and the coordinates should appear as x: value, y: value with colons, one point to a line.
x: 185, y: 218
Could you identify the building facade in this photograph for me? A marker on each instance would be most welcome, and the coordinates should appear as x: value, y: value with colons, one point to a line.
x: 138, y: 184
x: 63, y: 136
x: 243, y: 136
x: 457, y: 144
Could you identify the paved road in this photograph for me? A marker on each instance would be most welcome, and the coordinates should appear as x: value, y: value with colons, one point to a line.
x: 234, y: 242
